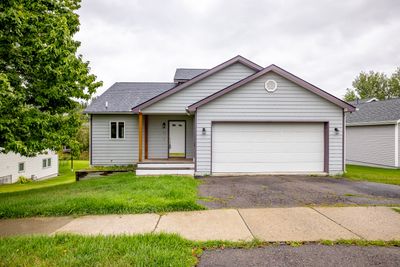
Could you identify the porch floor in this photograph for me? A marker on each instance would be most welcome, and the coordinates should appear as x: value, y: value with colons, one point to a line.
x: 169, y: 160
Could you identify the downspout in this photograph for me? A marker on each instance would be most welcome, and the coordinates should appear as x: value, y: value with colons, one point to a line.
x: 90, y: 140
x: 396, y: 144
x: 344, y: 142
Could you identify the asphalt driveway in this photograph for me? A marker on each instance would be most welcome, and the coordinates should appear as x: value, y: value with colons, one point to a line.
x: 306, y: 255
x: 292, y: 191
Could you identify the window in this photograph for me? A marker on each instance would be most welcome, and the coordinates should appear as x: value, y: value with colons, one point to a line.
x: 121, y: 129
x: 113, y: 130
x: 44, y: 163
x: 117, y: 130
x: 49, y: 162
x: 21, y: 167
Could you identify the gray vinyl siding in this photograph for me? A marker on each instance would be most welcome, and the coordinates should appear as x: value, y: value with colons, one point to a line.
x: 252, y: 102
x: 106, y: 151
x: 177, y: 102
x: 158, y: 137
x: 371, y: 145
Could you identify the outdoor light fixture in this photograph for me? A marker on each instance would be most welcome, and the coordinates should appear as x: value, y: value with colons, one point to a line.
x: 203, y: 131
x: 336, y: 130
x: 163, y: 125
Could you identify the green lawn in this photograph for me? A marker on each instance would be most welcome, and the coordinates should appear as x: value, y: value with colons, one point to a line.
x: 72, y: 250
x: 65, y: 176
x: 136, y: 250
x: 372, y: 174
x: 118, y: 193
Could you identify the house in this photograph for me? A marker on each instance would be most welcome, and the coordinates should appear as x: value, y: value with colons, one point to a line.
x: 235, y: 118
x: 373, y: 133
x: 13, y: 166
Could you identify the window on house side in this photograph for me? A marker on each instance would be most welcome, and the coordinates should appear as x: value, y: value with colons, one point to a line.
x: 113, y: 130
x: 117, y: 130
x: 121, y: 130
x: 44, y: 163
x: 21, y: 166
x: 48, y: 162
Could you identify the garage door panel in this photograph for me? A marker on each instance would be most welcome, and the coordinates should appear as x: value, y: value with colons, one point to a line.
x: 267, y: 147
x: 268, y: 158
x: 257, y: 168
x: 273, y: 137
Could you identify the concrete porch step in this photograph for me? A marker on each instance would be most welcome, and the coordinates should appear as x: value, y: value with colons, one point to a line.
x: 164, y: 171
x: 165, y: 165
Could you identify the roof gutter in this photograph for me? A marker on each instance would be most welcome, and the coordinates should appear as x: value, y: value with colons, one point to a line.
x: 372, y: 123
x: 107, y: 112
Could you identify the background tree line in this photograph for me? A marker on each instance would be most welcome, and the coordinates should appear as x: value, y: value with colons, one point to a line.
x: 374, y: 84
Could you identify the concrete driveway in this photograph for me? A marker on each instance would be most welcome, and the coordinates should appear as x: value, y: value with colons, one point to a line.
x: 292, y: 191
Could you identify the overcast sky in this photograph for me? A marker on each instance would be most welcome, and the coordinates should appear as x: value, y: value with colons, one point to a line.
x: 326, y: 43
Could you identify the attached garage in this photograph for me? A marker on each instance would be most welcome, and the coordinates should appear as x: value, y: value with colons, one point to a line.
x: 268, y: 147
x: 268, y: 123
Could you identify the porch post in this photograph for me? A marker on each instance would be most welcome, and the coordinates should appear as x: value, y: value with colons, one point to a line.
x: 140, y: 137
x: 146, y: 137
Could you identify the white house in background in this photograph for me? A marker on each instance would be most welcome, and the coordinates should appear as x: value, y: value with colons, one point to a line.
x: 235, y: 118
x: 373, y: 133
x: 12, y: 166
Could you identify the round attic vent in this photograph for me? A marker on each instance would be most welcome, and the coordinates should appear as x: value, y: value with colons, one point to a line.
x: 271, y: 85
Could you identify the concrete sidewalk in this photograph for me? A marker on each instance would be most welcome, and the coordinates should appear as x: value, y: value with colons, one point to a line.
x: 268, y: 224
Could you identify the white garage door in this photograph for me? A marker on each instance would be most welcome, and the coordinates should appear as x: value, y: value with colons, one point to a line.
x: 267, y: 147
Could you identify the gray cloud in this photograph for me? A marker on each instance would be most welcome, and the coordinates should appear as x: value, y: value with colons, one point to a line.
x: 325, y: 42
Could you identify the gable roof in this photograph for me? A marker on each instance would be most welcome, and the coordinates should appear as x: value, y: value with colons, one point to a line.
x: 283, y: 73
x: 182, y: 75
x: 237, y: 59
x: 375, y: 112
x: 122, y: 95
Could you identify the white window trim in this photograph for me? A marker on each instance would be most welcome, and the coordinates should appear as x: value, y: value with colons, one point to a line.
x: 47, y: 165
x: 117, y: 132
x: 44, y: 160
x: 23, y: 162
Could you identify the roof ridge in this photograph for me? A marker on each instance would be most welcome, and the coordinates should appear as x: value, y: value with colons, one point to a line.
x: 142, y: 82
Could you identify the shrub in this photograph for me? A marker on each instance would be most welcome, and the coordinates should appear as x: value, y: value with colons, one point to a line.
x: 23, y: 180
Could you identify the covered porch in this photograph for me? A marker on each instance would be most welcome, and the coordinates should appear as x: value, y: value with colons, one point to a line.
x: 166, y: 144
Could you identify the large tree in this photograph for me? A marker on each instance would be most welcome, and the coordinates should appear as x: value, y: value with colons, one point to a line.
x: 41, y: 76
x: 374, y: 85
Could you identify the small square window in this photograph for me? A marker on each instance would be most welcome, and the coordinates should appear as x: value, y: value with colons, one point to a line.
x: 44, y: 163
x: 21, y: 167
x: 48, y: 162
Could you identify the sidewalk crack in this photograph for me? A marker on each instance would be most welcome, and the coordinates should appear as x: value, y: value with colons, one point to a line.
x: 158, y: 221
x: 360, y: 236
x: 245, y: 223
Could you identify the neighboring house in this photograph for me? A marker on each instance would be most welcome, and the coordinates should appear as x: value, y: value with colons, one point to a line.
x: 373, y: 133
x: 13, y: 166
x: 235, y: 118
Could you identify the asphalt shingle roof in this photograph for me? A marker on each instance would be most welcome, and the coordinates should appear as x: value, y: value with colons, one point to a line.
x: 187, y: 74
x: 385, y: 110
x: 123, y: 96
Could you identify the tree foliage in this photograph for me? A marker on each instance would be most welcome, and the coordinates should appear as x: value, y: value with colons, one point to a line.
x: 374, y: 85
x: 41, y: 75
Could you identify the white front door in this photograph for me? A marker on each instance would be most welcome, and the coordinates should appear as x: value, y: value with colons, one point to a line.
x: 177, y: 138
x: 267, y: 147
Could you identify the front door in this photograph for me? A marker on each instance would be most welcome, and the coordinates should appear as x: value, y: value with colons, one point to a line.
x: 177, y: 139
